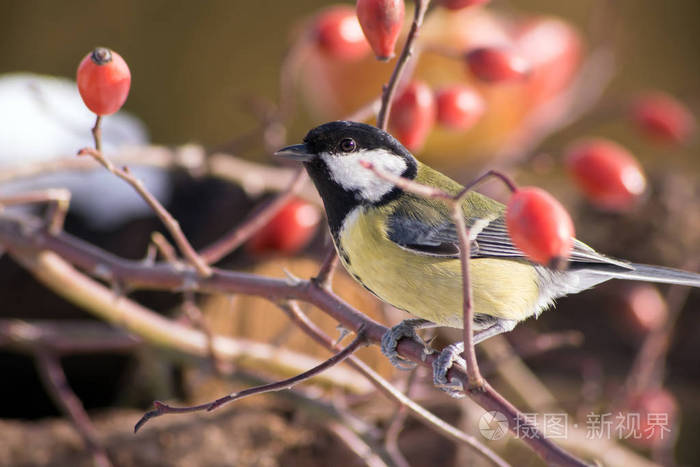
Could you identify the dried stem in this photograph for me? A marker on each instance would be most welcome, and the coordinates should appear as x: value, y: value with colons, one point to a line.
x: 242, y: 233
x: 300, y: 318
x: 162, y: 408
x: 58, y: 199
x: 56, y: 384
x: 324, y: 278
x: 31, y: 248
x: 168, y: 220
x: 421, y: 6
x: 163, y: 246
x: 97, y: 133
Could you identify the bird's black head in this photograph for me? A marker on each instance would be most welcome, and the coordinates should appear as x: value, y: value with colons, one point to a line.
x: 332, y: 153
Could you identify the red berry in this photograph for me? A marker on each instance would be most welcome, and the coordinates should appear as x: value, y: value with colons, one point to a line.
x: 103, y: 81
x: 497, y: 65
x: 610, y: 176
x: 459, y: 107
x: 662, y: 117
x: 459, y: 4
x: 413, y: 115
x: 289, y: 231
x: 339, y: 35
x: 381, y: 21
x: 540, y: 226
x: 645, y: 307
x: 657, y: 412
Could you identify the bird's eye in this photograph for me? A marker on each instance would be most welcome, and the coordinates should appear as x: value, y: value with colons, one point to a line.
x: 347, y: 145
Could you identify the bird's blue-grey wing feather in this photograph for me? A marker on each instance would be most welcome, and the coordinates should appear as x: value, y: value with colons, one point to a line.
x: 492, y: 240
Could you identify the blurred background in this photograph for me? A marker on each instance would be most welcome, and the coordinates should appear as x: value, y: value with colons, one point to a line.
x: 207, y: 72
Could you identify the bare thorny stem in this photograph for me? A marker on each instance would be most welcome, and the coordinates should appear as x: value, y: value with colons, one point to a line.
x: 55, y: 382
x: 168, y: 220
x: 421, y: 6
x: 297, y: 316
x: 242, y: 233
x: 162, y: 408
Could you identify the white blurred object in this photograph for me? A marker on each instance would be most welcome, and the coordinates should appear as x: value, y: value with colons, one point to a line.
x: 43, y: 118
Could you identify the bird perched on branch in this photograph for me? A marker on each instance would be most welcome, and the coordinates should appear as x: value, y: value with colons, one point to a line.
x: 405, y: 250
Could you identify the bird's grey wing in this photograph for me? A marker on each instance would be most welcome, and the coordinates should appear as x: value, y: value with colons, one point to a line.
x: 491, y: 240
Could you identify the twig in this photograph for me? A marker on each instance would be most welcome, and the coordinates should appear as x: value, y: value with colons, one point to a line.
x: 64, y: 337
x: 324, y: 278
x: 166, y: 250
x: 421, y: 6
x: 295, y: 313
x: 32, y: 249
x: 356, y: 444
x: 396, y: 426
x: 58, y: 199
x: 162, y: 408
x: 194, y: 314
x: 242, y: 233
x: 168, y: 220
x: 647, y: 370
x: 55, y: 382
x: 97, y: 133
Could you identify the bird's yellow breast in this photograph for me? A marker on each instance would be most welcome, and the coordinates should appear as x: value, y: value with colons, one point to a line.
x: 431, y: 287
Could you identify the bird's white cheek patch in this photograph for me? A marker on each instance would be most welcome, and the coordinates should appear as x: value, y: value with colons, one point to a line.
x: 347, y: 172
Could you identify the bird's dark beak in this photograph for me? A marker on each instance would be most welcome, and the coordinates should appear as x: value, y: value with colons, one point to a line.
x: 297, y: 152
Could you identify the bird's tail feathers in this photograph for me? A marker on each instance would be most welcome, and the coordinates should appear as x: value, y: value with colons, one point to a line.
x: 644, y: 272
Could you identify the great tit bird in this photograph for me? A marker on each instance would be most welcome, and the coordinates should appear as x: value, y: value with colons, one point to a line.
x: 404, y: 248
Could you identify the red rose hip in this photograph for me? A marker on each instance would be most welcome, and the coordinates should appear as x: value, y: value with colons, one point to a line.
x: 381, y: 21
x: 497, y: 65
x: 607, y: 173
x: 663, y: 118
x: 413, y: 115
x: 339, y: 35
x: 459, y: 4
x: 459, y: 107
x: 103, y: 81
x: 540, y: 226
x: 288, y: 231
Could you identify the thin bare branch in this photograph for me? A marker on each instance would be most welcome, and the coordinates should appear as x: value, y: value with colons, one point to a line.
x: 162, y: 408
x: 324, y: 278
x: 168, y: 220
x: 97, y: 133
x: 421, y: 6
x: 58, y: 199
x: 242, y: 233
x: 57, y: 386
x: 300, y: 318
x: 31, y: 249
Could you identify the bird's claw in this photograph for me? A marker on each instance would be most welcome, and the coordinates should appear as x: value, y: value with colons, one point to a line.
x: 449, y: 356
x: 391, y: 339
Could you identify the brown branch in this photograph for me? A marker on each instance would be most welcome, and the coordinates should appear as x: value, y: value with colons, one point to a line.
x: 421, y: 6
x: 648, y: 367
x: 162, y: 408
x: 97, y: 133
x: 64, y: 337
x: 163, y: 246
x: 324, y: 278
x: 57, y: 386
x: 242, y: 233
x: 168, y: 220
x: 424, y: 416
x: 58, y: 199
x: 31, y: 249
